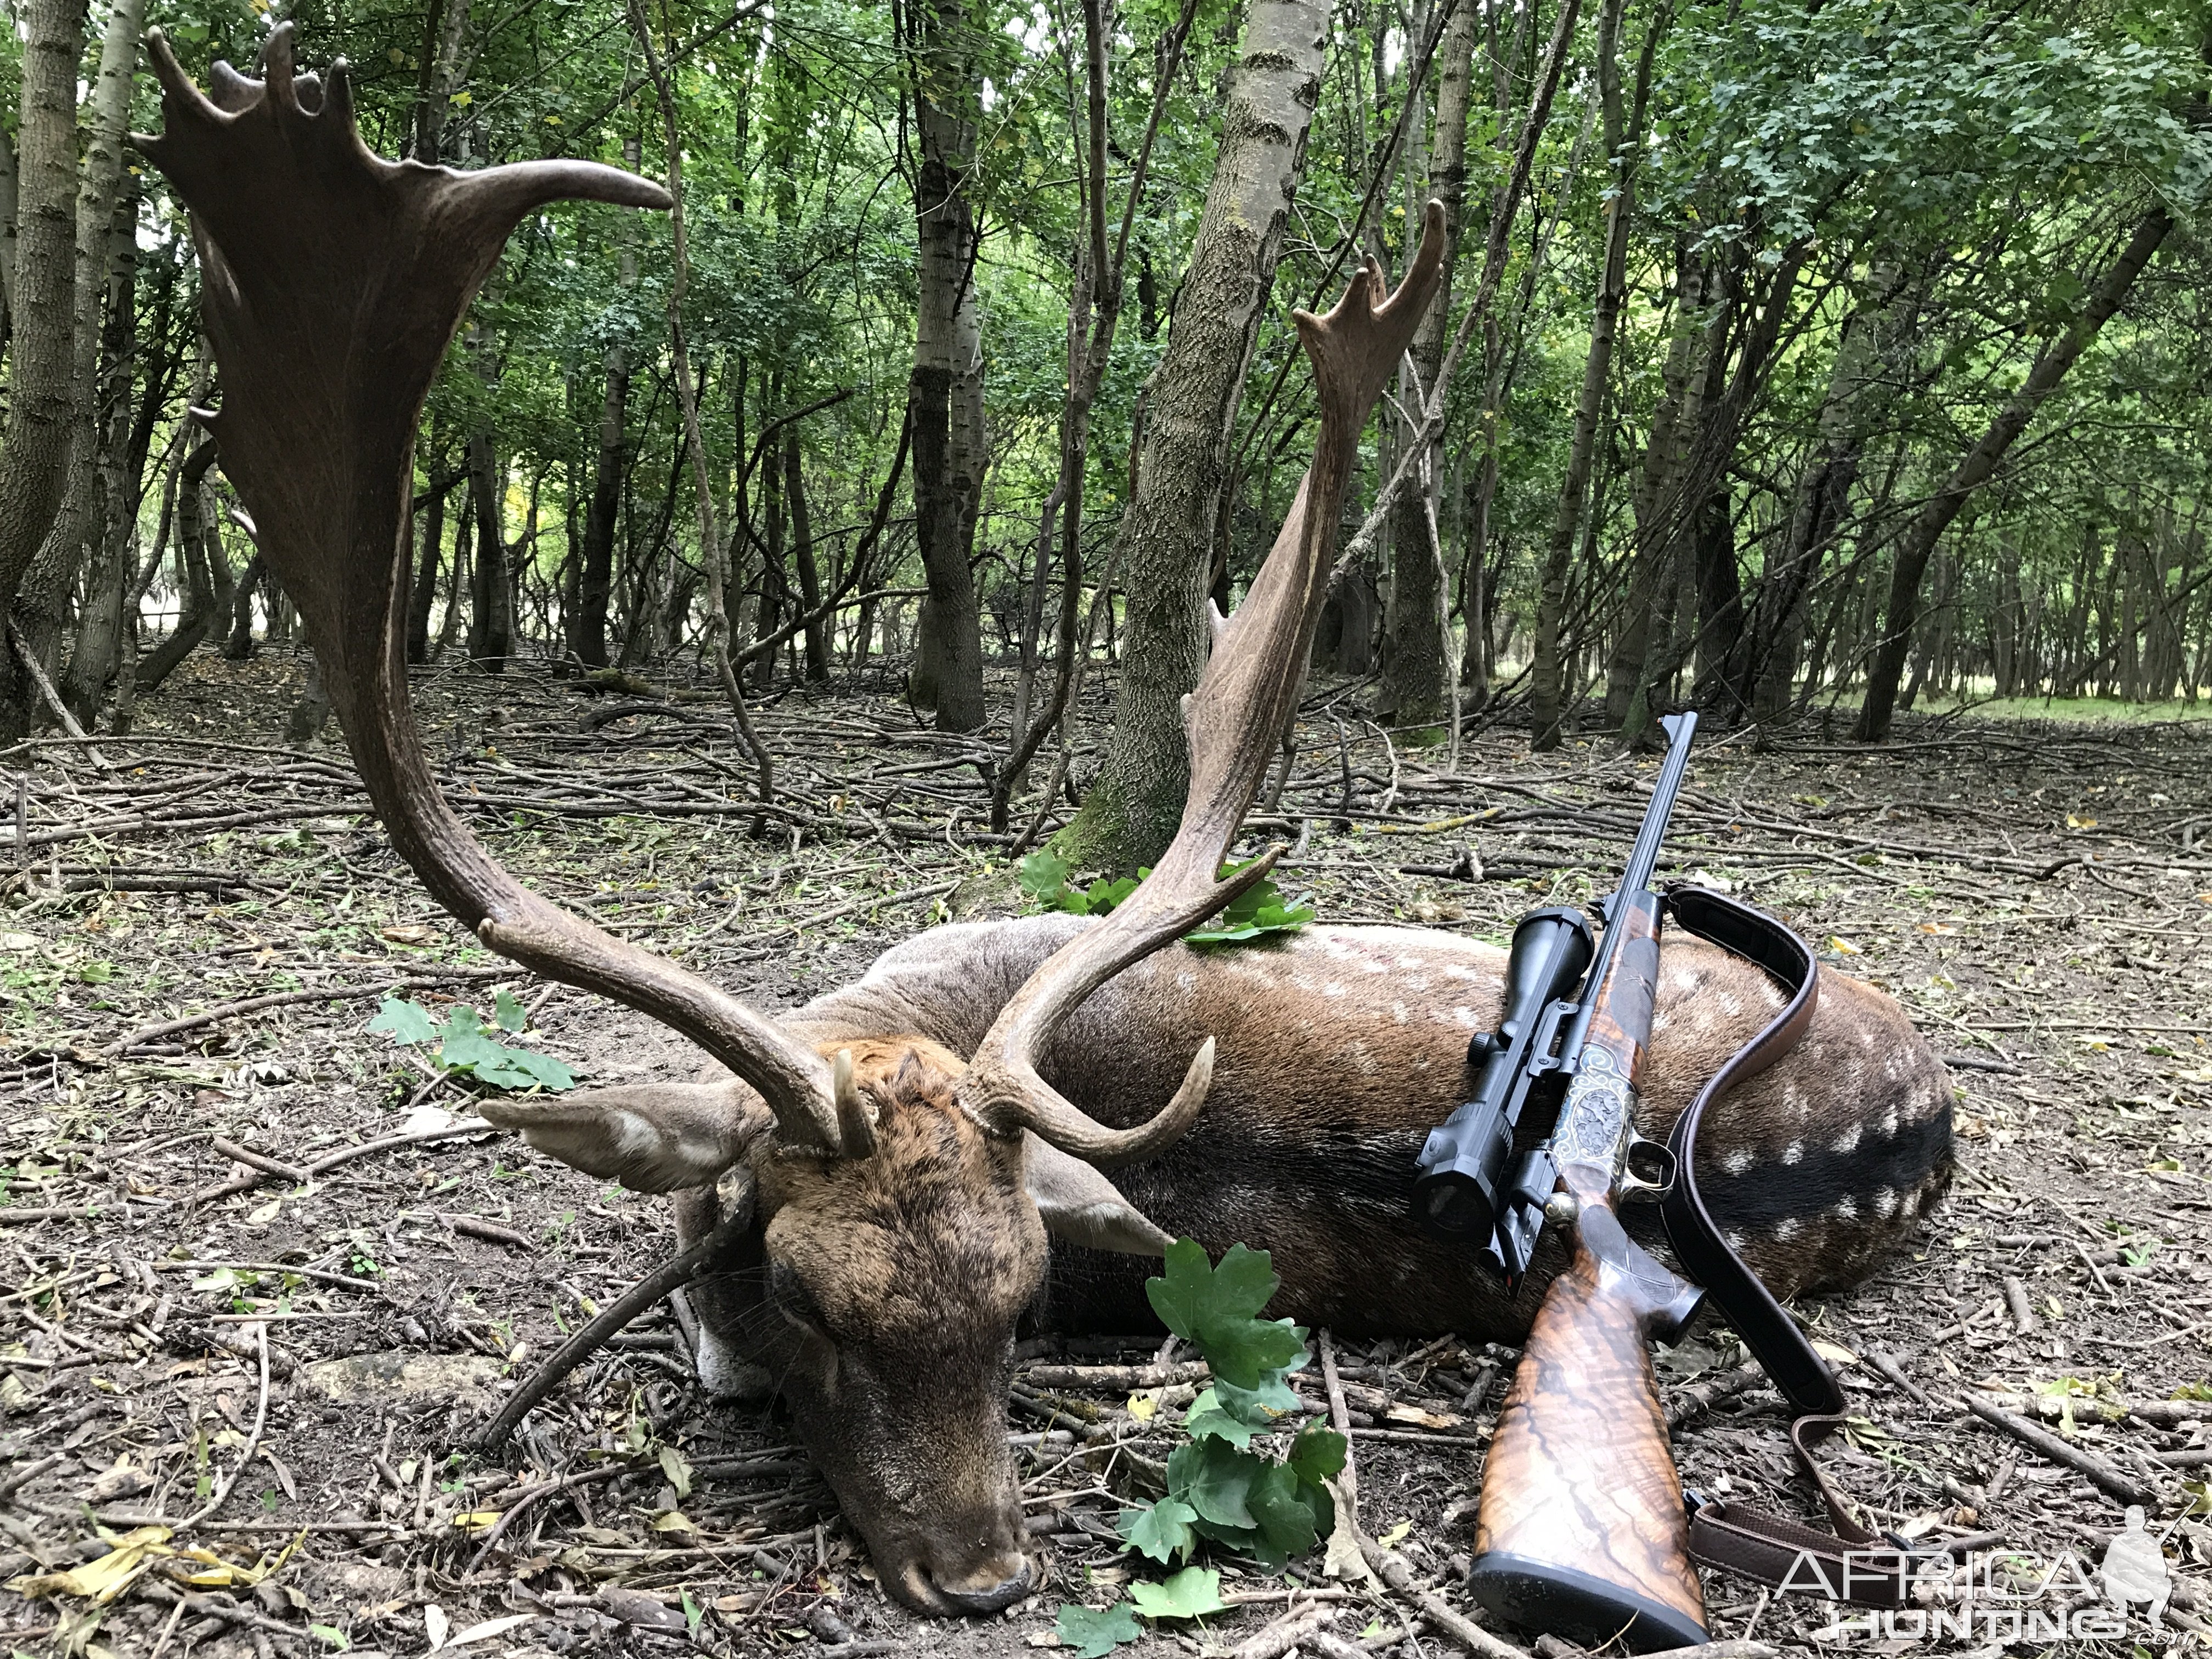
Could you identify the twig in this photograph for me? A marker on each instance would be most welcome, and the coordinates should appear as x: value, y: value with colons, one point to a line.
x: 1295, y: 1629
x: 53, y: 698
x: 244, y: 1183
x: 530, y: 1497
x: 30, y: 1472
x: 252, y: 1441
x: 676, y: 1270
x: 1700, y: 1397
x: 2100, y: 1473
x: 319, y: 1274
x: 1394, y: 1569
x: 414, y: 981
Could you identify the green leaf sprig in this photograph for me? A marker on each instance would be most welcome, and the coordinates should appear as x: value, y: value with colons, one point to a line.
x: 1219, y: 1488
x: 465, y: 1044
x: 1262, y: 909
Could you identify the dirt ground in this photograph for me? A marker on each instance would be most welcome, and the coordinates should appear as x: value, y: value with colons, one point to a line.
x: 2038, y: 896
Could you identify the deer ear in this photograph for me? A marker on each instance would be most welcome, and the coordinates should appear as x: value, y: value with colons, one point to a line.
x: 1081, y: 1205
x: 651, y: 1136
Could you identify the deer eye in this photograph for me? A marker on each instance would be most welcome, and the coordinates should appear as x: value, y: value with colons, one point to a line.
x: 794, y: 1301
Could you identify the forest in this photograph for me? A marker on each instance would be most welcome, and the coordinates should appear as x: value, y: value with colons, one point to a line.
x: 1835, y: 360
x: 790, y: 635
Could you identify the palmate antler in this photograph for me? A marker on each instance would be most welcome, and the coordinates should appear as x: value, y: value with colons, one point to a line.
x: 1233, y: 721
x: 332, y: 282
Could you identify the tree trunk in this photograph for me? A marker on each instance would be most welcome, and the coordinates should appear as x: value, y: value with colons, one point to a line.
x: 945, y: 395
x: 1414, y: 683
x: 423, y: 597
x: 802, y: 559
x: 112, y: 529
x: 1165, y: 543
x: 35, y: 459
x: 491, y: 621
x: 1823, y: 492
x: 205, y: 606
x: 239, y: 646
x: 8, y: 204
x: 1547, y: 692
x: 438, y: 69
x: 312, y: 712
x: 587, y: 635
x: 775, y: 585
x: 1974, y: 469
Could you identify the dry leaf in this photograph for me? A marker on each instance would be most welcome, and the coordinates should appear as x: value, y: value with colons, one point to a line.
x: 105, y: 1579
x: 490, y: 1628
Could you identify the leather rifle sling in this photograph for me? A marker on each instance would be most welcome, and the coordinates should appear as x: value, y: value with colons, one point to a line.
x: 1853, y: 1564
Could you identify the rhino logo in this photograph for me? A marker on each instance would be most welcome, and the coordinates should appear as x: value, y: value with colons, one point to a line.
x: 2135, y: 1568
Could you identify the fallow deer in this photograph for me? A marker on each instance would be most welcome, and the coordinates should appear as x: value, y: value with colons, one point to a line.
x: 924, y: 1151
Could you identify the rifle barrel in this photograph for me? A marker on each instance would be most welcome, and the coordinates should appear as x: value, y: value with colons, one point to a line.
x: 1643, y: 857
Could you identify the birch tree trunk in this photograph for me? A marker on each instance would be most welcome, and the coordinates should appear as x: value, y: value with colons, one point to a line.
x: 1164, y: 547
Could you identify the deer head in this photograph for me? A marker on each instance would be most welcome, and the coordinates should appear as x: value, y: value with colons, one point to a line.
x: 905, y: 1197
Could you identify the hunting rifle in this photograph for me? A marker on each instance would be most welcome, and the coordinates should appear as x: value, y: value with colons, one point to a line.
x: 1582, y: 1528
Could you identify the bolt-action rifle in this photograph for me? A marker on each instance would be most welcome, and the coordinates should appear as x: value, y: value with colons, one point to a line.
x: 1582, y: 1528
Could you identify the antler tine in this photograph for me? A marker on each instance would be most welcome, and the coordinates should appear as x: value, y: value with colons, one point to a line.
x: 1233, y: 722
x: 334, y: 282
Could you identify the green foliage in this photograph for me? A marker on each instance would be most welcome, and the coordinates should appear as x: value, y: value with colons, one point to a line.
x: 464, y: 1044
x: 1270, y: 1508
x: 1094, y: 1632
x: 1259, y: 909
x: 1191, y: 1594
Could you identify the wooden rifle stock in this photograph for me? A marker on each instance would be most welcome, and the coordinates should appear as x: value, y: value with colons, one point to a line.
x: 1581, y: 1529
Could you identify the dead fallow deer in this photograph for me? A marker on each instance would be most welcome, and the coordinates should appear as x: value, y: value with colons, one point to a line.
x: 922, y: 1153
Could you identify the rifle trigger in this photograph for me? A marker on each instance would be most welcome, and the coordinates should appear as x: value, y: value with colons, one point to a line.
x: 1656, y: 1179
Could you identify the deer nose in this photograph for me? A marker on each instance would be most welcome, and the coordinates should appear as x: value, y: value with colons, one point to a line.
x: 986, y: 1588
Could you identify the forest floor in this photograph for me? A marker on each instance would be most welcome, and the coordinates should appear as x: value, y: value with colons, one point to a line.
x: 2037, y: 895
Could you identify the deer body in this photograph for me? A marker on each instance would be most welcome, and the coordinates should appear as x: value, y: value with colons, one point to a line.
x: 1338, y: 1048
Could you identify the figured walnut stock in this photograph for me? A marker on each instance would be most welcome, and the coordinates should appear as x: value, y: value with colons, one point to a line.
x: 1582, y: 1528
x: 1234, y: 721
x: 333, y: 282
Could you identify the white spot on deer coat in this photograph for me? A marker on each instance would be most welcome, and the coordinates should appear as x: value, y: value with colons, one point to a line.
x: 1333, y: 990
x: 1793, y: 1153
x: 1885, y: 1202
x: 1850, y: 1138
x: 1398, y: 1013
x: 1848, y: 1208
x: 1786, y: 1228
x: 1737, y: 1161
